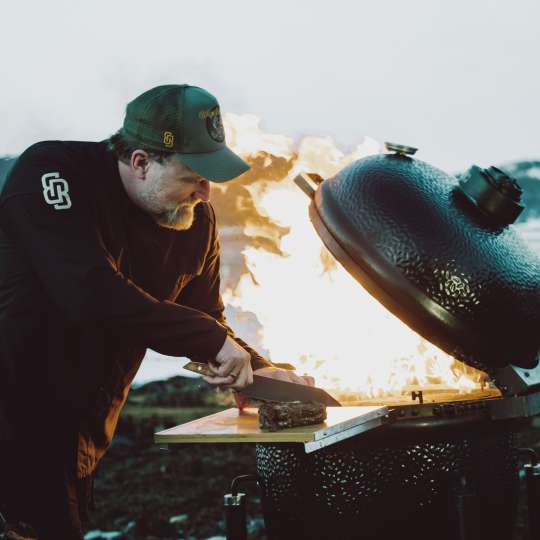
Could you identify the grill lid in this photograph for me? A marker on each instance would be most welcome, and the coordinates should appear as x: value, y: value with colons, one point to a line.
x: 440, y: 255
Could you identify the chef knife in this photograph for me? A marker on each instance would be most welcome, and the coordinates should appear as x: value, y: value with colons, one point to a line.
x: 267, y: 389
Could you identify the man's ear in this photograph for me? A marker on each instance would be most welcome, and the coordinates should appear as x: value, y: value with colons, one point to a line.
x: 139, y: 163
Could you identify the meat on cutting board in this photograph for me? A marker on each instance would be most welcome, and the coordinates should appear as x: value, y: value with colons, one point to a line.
x: 274, y: 416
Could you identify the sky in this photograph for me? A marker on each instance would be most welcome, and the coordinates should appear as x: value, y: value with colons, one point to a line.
x: 459, y: 80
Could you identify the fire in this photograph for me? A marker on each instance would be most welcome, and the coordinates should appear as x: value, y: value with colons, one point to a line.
x: 313, y: 313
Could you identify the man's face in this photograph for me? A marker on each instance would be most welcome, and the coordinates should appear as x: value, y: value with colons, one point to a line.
x: 170, y: 191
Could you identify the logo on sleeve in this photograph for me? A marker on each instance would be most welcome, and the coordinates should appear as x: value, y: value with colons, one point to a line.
x: 56, y: 191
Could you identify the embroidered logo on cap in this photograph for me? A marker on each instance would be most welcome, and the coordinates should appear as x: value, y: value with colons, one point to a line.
x: 168, y: 139
x: 56, y: 191
x: 214, y: 125
x: 208, y: 113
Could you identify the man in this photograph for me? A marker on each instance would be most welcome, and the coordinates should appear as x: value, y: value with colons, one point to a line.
x: 106, y: 249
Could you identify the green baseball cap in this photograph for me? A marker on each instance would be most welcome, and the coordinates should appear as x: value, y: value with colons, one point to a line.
x: 184, y: 120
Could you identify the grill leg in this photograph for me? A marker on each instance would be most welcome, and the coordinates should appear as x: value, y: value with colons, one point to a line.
x: 235, y: 516
x: 234, y: 505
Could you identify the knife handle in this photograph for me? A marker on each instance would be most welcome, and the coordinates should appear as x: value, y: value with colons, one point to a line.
x: 203, y: 369
x: 200, y: 368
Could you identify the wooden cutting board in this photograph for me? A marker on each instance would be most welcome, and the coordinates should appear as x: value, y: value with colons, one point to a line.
x: 233, y: 426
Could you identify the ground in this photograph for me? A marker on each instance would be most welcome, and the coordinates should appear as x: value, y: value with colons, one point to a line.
x: 140, y: 488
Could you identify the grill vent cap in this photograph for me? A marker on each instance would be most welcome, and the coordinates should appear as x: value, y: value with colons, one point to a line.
x: 495, y: 194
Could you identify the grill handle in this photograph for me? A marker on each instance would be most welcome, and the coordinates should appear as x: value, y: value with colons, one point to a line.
x: 302, y: 182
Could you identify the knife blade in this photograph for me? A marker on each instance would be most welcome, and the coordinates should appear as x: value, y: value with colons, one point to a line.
x: 268, y: 389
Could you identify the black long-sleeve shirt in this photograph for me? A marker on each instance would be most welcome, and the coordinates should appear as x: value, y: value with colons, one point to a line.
x: 88, y: 281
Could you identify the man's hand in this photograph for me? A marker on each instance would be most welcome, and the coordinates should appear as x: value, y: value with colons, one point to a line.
x: 286, y: 375
x: 232, y: 366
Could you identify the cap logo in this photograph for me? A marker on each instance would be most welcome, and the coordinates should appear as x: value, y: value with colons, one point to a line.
x: 168, y: 139
x: 209, y: 113
x: 214, y: 125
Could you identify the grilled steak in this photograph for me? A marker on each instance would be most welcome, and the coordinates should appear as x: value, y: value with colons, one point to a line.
x: 274, y: 416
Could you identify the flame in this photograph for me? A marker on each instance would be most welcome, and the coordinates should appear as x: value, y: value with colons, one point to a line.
x: 313, y: 313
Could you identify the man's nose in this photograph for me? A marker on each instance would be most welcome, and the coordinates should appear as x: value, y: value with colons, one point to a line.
x: 203, y: 190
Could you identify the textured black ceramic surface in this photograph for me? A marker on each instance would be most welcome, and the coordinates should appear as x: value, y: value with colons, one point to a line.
x: 383, y: 489
x: 401, y: 227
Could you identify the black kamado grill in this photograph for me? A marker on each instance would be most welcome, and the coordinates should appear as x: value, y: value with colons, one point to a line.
x: 442, y: 255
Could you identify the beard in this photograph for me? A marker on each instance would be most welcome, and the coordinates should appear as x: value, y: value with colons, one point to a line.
x: 179, y: 218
